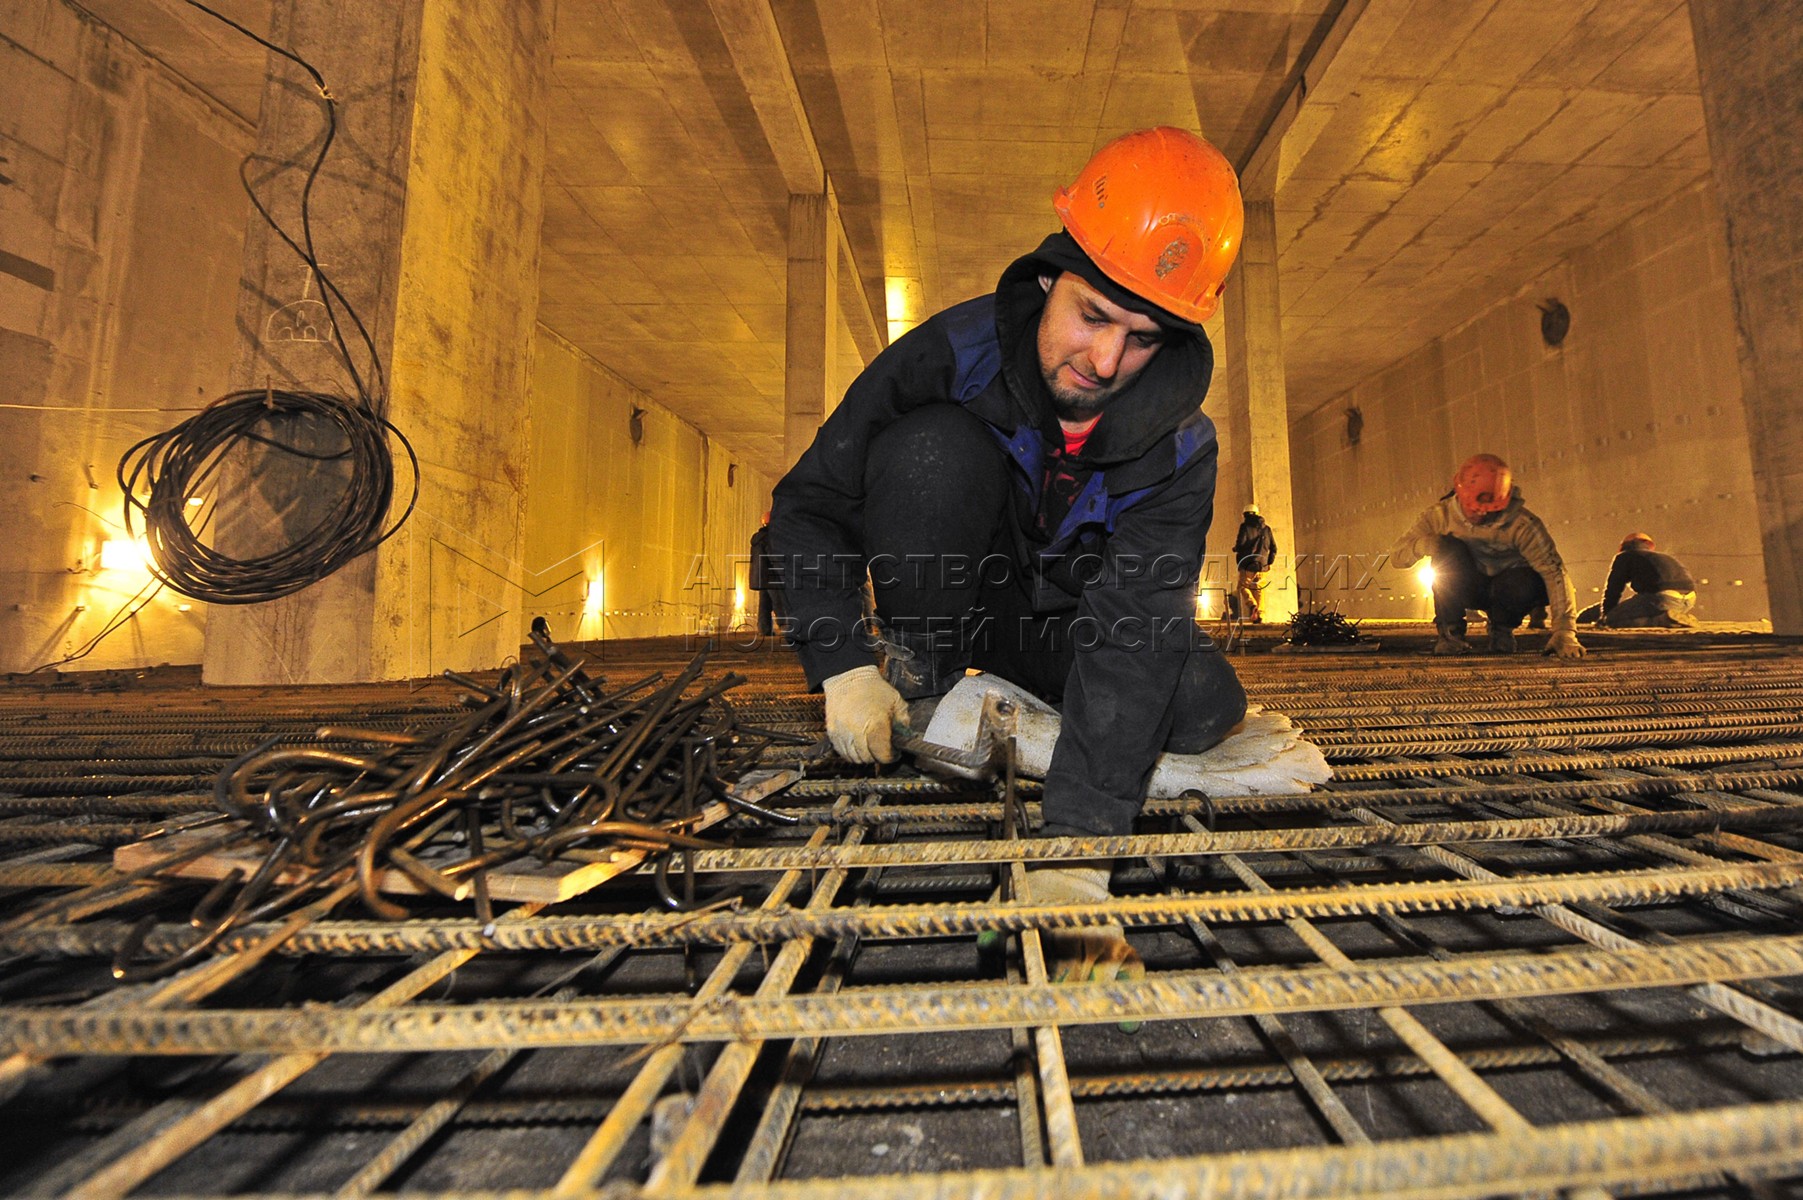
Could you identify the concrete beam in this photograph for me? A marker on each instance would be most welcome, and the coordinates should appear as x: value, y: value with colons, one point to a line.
x: 867, y: 331
x: 813, y: 308
x: 751, y: 34
x: 1342, y: 51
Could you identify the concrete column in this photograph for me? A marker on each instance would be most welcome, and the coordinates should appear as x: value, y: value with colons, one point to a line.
x: 813, y: 302
x: 1750, y: 64
x: 427, y: 217
x: 1258, y: 422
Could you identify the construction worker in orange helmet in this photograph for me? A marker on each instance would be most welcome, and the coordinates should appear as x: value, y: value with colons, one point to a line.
x: 1026, y: 481
x: 1491, y: 554
x: 1664, y: 592
x: 1482, y: 484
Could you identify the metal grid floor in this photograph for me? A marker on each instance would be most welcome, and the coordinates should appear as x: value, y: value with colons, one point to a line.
x: 1539, y: 935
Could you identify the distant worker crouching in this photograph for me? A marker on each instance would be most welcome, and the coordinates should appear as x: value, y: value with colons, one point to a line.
x: 1664, y: 592
x: 1254, y: 549
x: 1491, y: 554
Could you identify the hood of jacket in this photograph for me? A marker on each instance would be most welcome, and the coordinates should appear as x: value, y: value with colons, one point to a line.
x: 1168, y: 392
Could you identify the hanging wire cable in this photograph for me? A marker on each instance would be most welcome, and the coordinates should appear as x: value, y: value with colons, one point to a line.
x: 179, y: 464
x: 162, y: 473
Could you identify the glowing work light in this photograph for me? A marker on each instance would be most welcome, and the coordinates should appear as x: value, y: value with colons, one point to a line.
x: 125, y: 554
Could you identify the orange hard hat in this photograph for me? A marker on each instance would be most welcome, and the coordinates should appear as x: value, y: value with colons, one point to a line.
x: 1159, y: 212
x: 1638, y: 537
x: 1482, y: 485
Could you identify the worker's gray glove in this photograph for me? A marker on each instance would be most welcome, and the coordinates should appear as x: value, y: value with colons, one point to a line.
x: 1563, y: 644
x: 860, y: 708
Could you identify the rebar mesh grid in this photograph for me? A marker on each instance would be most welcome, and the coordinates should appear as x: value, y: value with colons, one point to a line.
x: 1540, y: 934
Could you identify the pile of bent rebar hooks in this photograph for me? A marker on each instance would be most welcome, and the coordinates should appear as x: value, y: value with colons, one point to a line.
x: 1322, y: 627
x: 546, y: 761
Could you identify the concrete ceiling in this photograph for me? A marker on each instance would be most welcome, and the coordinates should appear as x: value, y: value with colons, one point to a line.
x: 1441, y: 156
x: 1481, y: 144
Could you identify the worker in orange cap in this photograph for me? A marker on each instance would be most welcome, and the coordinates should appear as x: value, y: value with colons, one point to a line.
x: 1027, y: 479
x: 1664, y: 592
x: 1491, y: 554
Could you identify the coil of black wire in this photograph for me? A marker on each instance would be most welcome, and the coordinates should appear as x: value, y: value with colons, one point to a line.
x: 161, y: 474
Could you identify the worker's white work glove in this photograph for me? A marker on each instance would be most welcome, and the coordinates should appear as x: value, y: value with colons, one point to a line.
x: 1094, y: 954
x: 860, y: 708
x: 1563, y: 644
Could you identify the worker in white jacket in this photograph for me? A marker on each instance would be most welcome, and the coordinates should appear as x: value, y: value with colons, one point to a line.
x: 1491, y: 554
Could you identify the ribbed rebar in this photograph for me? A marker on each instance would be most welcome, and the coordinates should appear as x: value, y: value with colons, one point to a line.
x: 921, y: 817
x: 901, y: 1009
x: 1754, y: 1138
x: 278, y: 1115
x: 1516, y: 763
x: 944, y: 920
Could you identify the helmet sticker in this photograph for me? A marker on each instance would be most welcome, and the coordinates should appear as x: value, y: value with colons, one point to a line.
x: 1172, y: 258
x: 1159, y: 212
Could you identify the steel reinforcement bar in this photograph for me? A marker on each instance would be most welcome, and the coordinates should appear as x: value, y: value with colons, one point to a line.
x: 1251, y: 841
x: 906, y: 816
x: 1549, y: 709
x: 280, y: 1114
x: 873, y: 1097
x: 894, y: 1010
x: 1513, y: 763
x: 1555, y: 726
x: 643, y: 930
x: 1527, y: 764
x: 1443, y: 695
x: 1552, y: 706
x: 1749, y: 1139
x: 1514, y: 744
x: 1284, y: 840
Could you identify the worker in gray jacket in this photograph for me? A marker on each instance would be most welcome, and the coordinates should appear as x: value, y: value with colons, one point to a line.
x: 1491, y: 554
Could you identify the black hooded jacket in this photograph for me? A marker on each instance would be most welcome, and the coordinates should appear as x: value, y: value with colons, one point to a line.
x: 1142, y: 525
x: 1255, y: 546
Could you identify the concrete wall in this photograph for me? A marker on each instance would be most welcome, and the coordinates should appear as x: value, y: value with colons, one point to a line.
x: 1635, y: 423
x: 121, y: 224
x: 628, y: 515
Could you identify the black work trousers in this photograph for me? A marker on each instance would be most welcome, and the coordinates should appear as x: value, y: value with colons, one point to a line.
x: 1460, y: 584
x: 940, y: 539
